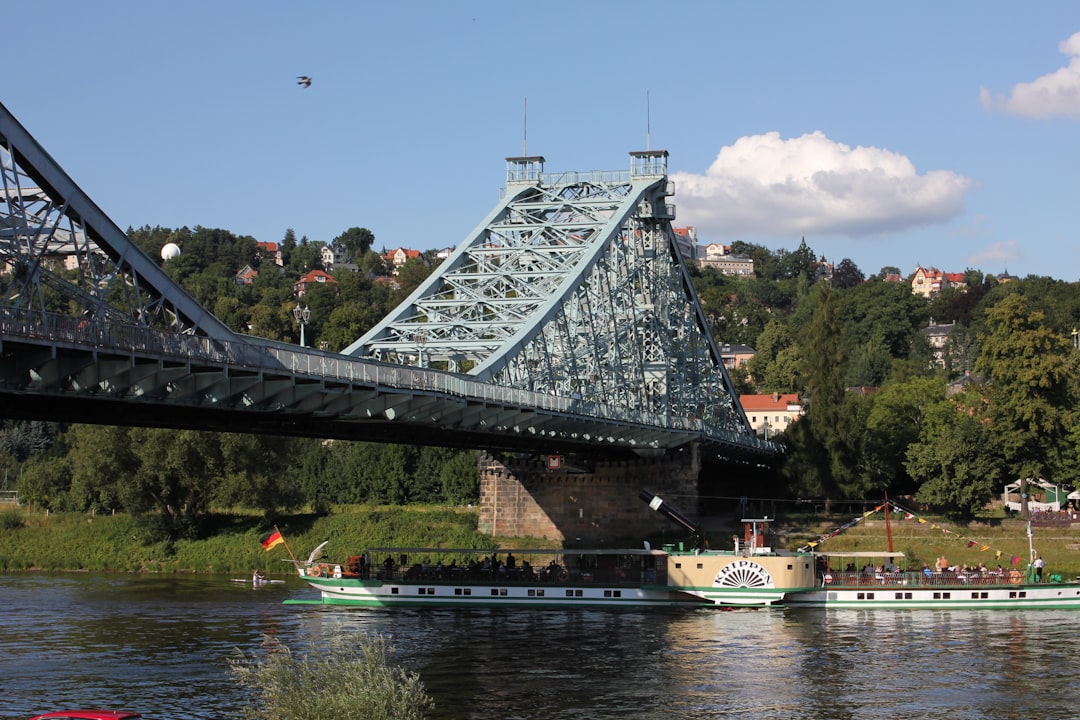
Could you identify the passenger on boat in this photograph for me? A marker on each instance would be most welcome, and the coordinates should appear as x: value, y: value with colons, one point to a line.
x: 1039, y: 565
x: 510, y: 561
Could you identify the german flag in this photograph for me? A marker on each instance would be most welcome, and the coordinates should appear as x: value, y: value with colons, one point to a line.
x: 271, y: 540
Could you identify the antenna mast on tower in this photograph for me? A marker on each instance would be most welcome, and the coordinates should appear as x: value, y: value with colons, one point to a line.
x: 648, y: 122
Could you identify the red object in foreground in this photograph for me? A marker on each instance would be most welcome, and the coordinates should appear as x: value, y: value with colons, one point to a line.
x: 88, y: 715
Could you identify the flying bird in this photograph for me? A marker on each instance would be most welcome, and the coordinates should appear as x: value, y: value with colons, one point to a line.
x: 303, y: 81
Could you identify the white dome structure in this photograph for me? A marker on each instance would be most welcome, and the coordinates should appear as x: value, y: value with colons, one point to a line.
x: 170, y: 251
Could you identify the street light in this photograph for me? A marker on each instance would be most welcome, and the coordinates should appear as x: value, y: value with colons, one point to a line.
x: 301, y: 315
x: 420, y: 340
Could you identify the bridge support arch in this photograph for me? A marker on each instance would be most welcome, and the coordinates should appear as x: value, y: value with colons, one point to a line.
x: 596, y: 505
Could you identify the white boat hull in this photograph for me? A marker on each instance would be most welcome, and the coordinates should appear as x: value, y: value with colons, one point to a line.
x: 597, y: 578
x: 375, y: 593
x: 975, y: 597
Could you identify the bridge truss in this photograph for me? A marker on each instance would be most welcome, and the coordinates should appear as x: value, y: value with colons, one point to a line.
x: 573, y: 285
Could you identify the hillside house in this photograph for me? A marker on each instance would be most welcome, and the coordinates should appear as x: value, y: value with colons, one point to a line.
x: 396, y: 258
x: 271, y: 251
x: 309, y: 279
x: 771, y: 414
x: 720, y: 257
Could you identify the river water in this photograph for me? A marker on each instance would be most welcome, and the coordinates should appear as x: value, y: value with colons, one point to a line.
x: 159, y: 645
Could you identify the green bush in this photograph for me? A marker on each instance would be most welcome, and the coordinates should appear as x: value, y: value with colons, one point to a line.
x: 10, y: 520
x: 347, y: 675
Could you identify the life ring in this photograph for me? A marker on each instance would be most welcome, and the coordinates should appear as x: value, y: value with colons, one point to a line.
x: 828, y: 579
x: 1015, y: 577
x: 314, y: 571
x: 562, y: 575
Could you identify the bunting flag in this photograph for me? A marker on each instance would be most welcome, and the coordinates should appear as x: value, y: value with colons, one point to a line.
x: 908, y: 515
x: 272, y: 540
x: 814, y: 543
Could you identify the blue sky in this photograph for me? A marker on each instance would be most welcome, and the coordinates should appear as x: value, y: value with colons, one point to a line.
x: 940, y: 134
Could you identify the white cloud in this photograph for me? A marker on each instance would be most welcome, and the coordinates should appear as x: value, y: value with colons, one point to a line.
x: 766, y: 186
x: 1048, y: 96
x: 1000, y: 253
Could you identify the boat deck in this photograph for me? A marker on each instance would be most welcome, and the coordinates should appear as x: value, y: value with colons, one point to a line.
x: 852, y: 579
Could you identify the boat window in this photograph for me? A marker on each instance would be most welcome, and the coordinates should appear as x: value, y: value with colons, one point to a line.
x: 393, y: 591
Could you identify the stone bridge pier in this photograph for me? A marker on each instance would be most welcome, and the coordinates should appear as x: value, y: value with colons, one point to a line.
x: 596, y: 505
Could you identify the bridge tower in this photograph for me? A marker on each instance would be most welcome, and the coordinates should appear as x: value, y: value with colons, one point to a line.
x: 574, y: 286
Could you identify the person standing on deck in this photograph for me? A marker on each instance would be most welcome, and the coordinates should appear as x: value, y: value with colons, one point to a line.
x: 1039, y: 565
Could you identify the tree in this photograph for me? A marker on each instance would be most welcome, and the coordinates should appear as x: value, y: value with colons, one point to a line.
x: 896, y: 421
x: 257, y: 472
x: 410, y: 275
x: 847, y: 274
x: 771, y: 367
x: 288, y: 244
x: 956, y: 466
x: 826, y: 427
x: 879, y: 310
x: 355, y: 241
x: 102, y: 458
x: 1030, y: 397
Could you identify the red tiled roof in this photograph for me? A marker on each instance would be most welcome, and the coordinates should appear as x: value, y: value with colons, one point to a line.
x: 765, y: 403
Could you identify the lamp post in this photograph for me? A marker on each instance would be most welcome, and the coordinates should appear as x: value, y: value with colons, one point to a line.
x: 421, y: 340
x: 301, y: 315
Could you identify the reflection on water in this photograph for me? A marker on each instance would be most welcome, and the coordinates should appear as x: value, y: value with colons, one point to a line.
x: 160, y: 644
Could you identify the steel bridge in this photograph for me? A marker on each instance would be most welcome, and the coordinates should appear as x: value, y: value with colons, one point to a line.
x: 564, y: 323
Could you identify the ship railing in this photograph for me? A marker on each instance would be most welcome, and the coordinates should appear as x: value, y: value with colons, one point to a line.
x: 542, y: 576
x: 918, y: 578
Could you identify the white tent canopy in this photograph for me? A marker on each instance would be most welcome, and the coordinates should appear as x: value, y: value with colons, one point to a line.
x: 1011, y: 495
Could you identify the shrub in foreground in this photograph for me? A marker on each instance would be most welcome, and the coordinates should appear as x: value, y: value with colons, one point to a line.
x: 345, y: 675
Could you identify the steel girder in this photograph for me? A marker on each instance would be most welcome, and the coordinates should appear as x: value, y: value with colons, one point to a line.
x: 573, y: 285
x: 68, y: 257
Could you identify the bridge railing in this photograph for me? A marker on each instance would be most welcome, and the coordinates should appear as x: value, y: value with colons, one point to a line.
x: 267, y: 356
